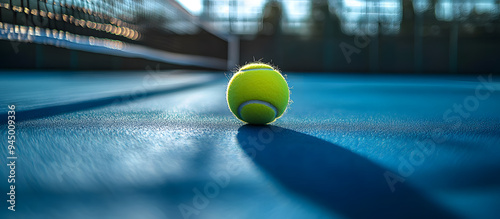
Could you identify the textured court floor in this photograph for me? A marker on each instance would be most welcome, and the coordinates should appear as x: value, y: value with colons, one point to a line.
x: 166, y: 146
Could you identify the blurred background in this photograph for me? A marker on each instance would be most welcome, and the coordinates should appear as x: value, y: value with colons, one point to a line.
x: 369, y: 36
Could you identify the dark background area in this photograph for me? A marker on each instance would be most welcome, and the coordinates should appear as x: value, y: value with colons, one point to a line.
x: 420, y: 36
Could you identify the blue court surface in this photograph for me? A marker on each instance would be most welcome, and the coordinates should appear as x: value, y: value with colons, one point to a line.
x: 165, y: 145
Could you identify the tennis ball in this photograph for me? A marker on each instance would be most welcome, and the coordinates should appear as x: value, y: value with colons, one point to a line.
x: 257, y: 94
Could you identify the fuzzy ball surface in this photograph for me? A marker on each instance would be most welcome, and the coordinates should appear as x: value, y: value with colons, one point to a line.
x: 257, y: 94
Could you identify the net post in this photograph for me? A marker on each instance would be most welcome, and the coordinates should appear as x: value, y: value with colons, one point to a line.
x: 233, y: 48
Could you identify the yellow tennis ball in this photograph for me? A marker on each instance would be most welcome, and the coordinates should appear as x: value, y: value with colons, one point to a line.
x: 257, y: 94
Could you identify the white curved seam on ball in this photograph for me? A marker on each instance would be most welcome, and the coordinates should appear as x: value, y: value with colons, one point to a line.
x: 259, y: 69
x: 258, y: 102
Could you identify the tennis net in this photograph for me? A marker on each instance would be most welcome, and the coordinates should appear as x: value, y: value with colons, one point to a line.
x: 154, y: 30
